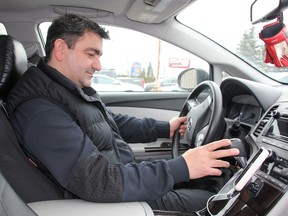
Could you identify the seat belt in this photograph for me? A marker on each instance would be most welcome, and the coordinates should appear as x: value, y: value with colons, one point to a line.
x: 3, y: 107
x: 34, y: 59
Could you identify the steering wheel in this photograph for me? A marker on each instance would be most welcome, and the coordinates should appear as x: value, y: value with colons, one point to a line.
x: 205, y: 120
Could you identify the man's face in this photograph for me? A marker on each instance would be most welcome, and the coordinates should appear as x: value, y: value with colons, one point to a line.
x: 81, y: 61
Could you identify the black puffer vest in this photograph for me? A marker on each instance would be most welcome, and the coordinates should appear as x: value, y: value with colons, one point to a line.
x: 84, y: 106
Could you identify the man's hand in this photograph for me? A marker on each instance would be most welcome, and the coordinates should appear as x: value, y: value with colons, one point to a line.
x: 175, y: 123
x: 205, y: 160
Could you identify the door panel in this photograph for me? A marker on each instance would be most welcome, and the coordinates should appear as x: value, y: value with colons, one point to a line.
x: 161, y: 106
x: 164, y: 100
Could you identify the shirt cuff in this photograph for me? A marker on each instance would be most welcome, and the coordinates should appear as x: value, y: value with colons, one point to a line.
x: 178, y: 169
x: 163, y: 129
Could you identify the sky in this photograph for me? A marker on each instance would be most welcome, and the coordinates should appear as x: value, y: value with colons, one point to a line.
x: 224, y: 24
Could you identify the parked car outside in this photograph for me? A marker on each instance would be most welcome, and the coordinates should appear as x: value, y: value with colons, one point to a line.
x: 108, y: 72
x: 108, y: 84
x: 133, y: 80
x: 170, y: 82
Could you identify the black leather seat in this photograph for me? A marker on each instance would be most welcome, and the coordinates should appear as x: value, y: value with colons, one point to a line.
x: 27, y: 181
x: 13, y: 63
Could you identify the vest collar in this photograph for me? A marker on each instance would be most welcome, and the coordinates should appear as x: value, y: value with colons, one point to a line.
x: 88, y: 93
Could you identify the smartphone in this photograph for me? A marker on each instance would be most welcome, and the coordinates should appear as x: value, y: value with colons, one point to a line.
x: 254, y: 164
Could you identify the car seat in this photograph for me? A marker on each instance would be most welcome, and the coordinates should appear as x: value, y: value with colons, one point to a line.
x: 11, y: 204
x: 27, y: 181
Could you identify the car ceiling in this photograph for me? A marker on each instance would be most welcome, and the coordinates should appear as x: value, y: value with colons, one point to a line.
x: 147, y: 11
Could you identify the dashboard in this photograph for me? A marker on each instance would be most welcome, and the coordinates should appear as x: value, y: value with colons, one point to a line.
x: 245, y: 108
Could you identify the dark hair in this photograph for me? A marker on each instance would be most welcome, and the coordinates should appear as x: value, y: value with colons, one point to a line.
x: 70, y: 27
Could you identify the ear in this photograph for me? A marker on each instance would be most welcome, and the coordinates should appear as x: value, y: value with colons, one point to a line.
x: 59, y: 49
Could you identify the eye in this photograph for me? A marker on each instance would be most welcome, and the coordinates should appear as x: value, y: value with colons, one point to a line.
x: 91, y: 54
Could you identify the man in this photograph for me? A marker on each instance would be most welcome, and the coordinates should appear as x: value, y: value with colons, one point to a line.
x: 65, y: 128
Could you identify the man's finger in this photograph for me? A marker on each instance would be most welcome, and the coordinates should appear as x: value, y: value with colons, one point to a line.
x: 218, y: 144
x: 225, y: 153
x: 220, y: 163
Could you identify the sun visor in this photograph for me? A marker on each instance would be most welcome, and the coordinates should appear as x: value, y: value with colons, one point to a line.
x: 88, y: 12
x: 154, y: 11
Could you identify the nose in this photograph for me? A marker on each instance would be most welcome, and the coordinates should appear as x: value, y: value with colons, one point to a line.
x: 97, y: 64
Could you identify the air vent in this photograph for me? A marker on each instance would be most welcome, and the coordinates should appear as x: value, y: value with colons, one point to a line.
x: 264, y: 121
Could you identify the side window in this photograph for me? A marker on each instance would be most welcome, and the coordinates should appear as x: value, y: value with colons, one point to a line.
x: 138, y: 62
x: 143, y: 60
x: 2, y: 29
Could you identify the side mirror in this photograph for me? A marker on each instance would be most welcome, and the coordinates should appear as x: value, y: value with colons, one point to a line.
x: 190, y: 78
x: 265, y: 10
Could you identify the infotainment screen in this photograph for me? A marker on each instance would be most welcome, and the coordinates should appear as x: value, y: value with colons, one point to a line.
x: 279, y: 129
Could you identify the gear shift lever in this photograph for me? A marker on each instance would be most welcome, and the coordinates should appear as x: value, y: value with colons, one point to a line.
x: 242, y: 157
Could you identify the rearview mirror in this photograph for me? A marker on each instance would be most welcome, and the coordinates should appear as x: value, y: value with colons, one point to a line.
x: 190, y: 78
x: 264, y: 10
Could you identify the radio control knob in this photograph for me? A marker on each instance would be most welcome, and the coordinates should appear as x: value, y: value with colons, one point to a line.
x: 272, y: 157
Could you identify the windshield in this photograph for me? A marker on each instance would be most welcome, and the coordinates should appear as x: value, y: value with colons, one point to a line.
x: 227, y: 22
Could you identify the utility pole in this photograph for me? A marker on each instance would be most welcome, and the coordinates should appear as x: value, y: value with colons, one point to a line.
x: 158, y: 65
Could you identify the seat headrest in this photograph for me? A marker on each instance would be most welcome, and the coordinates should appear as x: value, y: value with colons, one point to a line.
x: 13, y: 63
